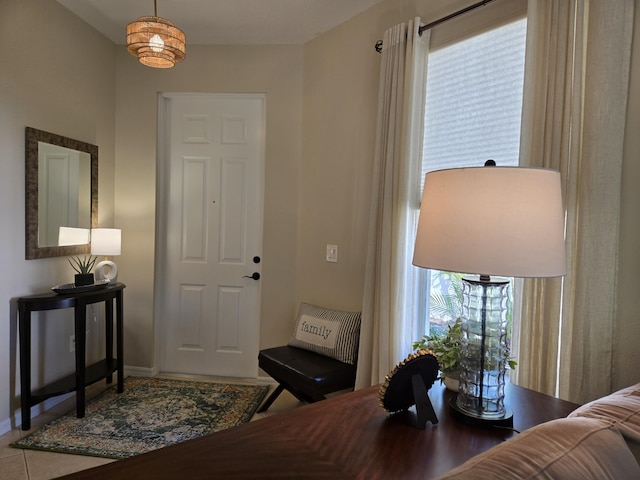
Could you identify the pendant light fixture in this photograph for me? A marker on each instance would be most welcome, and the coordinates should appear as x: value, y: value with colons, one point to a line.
x: 156, y: 41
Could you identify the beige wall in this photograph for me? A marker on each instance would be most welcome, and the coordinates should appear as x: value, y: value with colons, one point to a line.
x: 58, y: 75
x: 273, y: 70
x: 341, y: 70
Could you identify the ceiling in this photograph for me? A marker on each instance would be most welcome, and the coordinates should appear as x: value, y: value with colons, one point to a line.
x: 224, y: 22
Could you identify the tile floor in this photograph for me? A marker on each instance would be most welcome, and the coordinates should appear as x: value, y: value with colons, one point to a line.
x: 21, y: 464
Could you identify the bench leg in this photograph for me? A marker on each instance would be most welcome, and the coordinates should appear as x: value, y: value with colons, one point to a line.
x: 271, y: 399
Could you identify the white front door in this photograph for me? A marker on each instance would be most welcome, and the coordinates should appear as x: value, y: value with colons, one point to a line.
x: 210, y: 187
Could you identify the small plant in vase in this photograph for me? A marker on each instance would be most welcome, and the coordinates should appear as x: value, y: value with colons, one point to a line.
x: 446, y: 349
x: 83, y: 268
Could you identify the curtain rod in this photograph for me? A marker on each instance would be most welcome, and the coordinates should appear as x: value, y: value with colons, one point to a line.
x: 378, y: 45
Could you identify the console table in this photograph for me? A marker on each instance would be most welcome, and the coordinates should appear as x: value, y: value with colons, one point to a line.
x: 84, y: 375
x: 348, y: 436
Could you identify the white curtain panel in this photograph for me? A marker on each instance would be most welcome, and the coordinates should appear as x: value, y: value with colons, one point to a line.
x: 575, y: 97
x: 387, y: 312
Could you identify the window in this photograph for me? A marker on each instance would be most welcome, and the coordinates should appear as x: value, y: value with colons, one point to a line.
x: 472, y: 113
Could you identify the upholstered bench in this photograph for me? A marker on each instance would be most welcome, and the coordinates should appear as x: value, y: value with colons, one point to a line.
x: 320, y: 357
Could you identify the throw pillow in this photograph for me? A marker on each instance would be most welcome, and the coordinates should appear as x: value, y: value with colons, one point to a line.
x: 332, y: 333
x: 622, y: 408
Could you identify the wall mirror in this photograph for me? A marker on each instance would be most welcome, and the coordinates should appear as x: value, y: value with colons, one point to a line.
x: 61, y: 194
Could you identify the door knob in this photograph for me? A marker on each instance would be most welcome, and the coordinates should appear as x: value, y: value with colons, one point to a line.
x: 256, y: 259
x: 255, y: 276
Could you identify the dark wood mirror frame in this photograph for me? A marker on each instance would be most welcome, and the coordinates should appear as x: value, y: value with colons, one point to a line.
x: 32, y: 137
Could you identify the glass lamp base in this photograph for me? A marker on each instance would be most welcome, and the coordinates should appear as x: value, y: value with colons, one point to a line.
x: 483, y: 348
x: 506, y: 421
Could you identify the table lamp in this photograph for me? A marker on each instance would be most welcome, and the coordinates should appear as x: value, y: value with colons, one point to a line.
x: 489, y: 221
x: 106, y: 241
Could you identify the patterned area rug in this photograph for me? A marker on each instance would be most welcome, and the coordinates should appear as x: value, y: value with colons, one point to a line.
x: 151, y: 413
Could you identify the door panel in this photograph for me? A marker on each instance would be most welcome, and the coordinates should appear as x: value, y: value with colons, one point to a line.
x: 209, y: 309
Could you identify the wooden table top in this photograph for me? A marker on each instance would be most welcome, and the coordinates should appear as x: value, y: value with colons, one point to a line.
x: 348, y: 436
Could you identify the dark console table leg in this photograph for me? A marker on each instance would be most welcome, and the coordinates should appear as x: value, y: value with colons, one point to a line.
x: 24, y: 326
x: 108, y: 322
x: 120, y: 341
x: 80, y: 319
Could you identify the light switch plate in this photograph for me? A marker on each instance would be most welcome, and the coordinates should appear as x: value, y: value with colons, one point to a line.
x: 332, y: 253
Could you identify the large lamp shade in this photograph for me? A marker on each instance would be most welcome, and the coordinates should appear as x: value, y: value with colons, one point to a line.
x: 492, y: 221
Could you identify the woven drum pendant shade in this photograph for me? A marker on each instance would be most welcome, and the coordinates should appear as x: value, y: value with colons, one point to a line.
x: 156, y: 42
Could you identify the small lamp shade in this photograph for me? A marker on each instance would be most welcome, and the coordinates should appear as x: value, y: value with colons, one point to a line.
x: 105, y: 241
x: 73, y: 236
x: 492, y: 221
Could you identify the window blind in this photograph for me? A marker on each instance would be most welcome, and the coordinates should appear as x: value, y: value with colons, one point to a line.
x: 474, y: 100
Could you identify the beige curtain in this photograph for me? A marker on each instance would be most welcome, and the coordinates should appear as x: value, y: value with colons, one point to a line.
x: 387, y: 312
x: 576, y: 84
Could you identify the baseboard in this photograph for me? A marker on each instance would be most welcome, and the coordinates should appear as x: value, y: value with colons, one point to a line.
x: 262, y: 380
x: 140, y: 371
x: 15, y: 421
x: 6, y: 425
